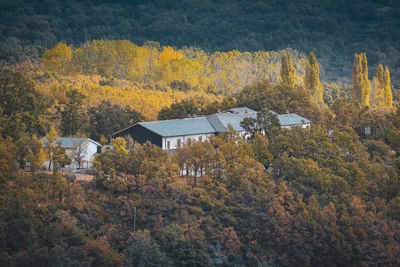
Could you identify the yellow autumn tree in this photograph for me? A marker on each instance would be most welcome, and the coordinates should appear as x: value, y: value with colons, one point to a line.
x: 311, y: 79
x: 119, y: 145
x: 288, y: 72
x: 58, y: 59
x: 379, y: 88
x: 360, y: 81
x: 388, y: 89
x: 157, y: 67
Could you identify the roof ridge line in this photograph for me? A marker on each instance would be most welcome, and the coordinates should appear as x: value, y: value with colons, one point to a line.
x: 199, y: 117
x: 216, y: 114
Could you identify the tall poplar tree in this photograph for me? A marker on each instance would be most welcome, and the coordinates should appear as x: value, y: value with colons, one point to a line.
x: 288, y: 72
x: 361, y: 84
x: 379, y: 93
x: 311, y: 79
x: 388, y: 89
x: 382, y: 88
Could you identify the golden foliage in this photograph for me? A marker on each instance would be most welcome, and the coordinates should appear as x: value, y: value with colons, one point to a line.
x: 122, y: 92
x: 222, y: 72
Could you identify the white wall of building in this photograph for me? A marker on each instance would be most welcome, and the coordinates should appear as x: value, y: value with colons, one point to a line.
x: 173, y: 141
x: 87, y: 160
x: 304, y: 125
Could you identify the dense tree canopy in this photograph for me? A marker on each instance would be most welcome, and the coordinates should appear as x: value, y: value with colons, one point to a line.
x: 21, y: 106
x: 106, y: 119
x: 326, y: 195
x: 334, y: 30
x: 74, y: 118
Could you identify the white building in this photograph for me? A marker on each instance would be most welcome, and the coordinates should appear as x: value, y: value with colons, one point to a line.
x: 170, y: 134
x: 82, y: 148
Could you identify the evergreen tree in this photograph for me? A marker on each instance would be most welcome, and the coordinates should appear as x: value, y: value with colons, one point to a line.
x: 311, y: 79
x: 288, y: 73
x: 361, y: 84
x: 388, y: 89
x: 73, y: 117
x: 107, y: 118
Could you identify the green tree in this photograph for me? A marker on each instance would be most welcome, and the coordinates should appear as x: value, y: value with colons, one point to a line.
x: 266, y: 123
x: 144, y: 251
x: 361, y: 83
x: 21, y: 106
x: 261, y: 150
x: 102, y: 254
x: 178, y: 110
x: 288, y: 72
x: 50, y: 144
x: 311, y: 79
x: 8, y: 159
x: 185, y: 249
x: 30, y: 150
x: 36, y: 155
x: 193, y: 157
x: 55, y: 153
x: 74, y: 119
x: 106, y: 119
x: 394, y: 140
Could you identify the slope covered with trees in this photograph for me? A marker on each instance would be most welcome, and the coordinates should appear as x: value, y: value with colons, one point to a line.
x: 328, y: 195
x: 181, y: 69
x: 334, y: 30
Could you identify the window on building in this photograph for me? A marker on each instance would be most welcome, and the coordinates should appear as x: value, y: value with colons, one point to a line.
x: 168, y: 145
x: 178, y: 142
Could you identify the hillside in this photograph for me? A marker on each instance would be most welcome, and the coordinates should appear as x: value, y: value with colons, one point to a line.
x: 333, y: 30
x: 282, y: 196
x: 319, y: 188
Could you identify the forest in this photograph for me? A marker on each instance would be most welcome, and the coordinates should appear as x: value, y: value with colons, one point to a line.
x: 328, y: 195
x: 333, y: 29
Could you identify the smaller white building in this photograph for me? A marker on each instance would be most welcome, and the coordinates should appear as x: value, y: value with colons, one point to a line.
x: 81, y: 151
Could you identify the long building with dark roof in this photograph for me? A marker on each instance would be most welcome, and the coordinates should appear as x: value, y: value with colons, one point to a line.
x: 170, y: 134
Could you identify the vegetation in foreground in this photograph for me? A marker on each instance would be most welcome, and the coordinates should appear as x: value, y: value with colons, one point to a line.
x: 284, y: 197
